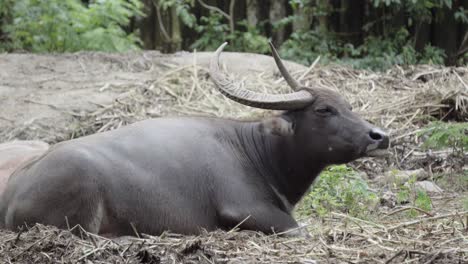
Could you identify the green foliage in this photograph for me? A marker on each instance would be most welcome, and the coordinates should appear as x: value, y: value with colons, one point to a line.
x: 432, y: 55
x: 446, y: 135
x: 213, y: 31
x: 5, y: 7
x: 305, y: 47
x: 403, y: 194
x: 376, y: 53
x: 395, y: 45
x: 408, y: 193
x: 318, y: 8
x: 68, y: 25
x: 338, y: 188
x: 422, y: 200
x: 461, y: 15
x: 379, y: 53
x: 416, y: 10
x: 182, y: 10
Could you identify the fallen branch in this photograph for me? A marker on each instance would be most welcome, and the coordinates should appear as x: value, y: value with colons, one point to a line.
x: 409, y: 208
x: 415, y: 222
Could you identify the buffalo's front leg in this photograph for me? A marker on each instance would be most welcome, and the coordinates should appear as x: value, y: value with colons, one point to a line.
x: 267, y: 219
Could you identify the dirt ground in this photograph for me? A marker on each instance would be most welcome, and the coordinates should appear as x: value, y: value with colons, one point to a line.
x: 58, y: 97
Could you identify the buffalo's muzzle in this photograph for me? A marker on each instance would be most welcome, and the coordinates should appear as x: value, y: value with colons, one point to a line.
x: 379, y: 141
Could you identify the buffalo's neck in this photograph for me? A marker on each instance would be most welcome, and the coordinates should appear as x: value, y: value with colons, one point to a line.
x: 279, y: 160
x: 298, y: 169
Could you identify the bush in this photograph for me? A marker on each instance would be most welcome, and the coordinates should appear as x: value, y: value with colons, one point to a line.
x: 68, y: 25
x: 376, y: 53
x: 446, y: 135
x: 304, y: 47
x: 338, y: 188
x: 213, y: 31
x: 379, y: 53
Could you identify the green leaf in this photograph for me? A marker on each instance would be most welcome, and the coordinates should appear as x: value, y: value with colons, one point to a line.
x: 68, y: 25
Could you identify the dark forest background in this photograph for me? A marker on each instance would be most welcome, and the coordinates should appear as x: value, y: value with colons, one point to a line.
x: 372, y: 34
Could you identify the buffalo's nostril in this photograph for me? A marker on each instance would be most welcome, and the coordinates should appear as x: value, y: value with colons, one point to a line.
x: 376, y: 135
x: 379, y: 140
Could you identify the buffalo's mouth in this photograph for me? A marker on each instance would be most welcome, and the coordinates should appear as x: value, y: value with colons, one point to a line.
x: 378, y: 149
x: 378, y: 143
x: 378, y: 153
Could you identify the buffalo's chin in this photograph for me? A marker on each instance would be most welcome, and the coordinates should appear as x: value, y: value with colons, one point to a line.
x: 378, y: 153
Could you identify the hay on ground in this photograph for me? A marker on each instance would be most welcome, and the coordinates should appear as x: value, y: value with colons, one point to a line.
x: 338, y: 238
x: 400, y: 100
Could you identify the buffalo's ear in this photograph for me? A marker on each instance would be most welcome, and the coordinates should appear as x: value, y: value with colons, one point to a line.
x: 277, y: 126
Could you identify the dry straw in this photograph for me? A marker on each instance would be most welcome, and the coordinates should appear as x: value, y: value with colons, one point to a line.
x: 401, y: 100
x: 338, y: 238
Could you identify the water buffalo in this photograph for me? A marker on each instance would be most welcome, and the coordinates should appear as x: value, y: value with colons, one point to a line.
x: 192, y: 173
x: 16, y: 153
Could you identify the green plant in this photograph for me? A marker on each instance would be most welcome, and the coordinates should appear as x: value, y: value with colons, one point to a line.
x: 386, y: 44
x: 461, y: 15
x: 182, y: 10
x: 432, y: 55
x: 338, y: 188
x: 68, y: 25
x: 305, y: 47
x: 409, y: 193
x: 416, y: 10
x: 5, y: 9
x: 214, y: 31
x: 380, y: 53
x: 446, y: 135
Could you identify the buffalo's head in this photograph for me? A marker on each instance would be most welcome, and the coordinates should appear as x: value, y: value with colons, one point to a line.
x: 318, y: 119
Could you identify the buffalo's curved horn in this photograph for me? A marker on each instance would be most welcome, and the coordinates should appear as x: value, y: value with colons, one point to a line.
x: 289, y: 79
x: 235, y: 92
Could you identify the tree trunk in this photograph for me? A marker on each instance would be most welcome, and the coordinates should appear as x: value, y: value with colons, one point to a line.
x: 162, y: 35
x: 302, y: 21
x: 176, y: 37
x: 462, y: 40
x: 146, y: 25
x: 323, y: 5
x: 278, y: 12
x: 351, y: 21
x: 444, y: 33
x: 252, y: 10
x: 422, y: 35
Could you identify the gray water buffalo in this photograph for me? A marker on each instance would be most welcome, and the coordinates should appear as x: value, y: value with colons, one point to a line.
x: 192, y: 173
x: 14, y: 154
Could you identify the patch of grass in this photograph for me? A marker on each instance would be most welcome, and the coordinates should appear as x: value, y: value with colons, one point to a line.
x: 465, y: 203
x: 338, y: 188
x: 457, y: 182
x: 409, y: 193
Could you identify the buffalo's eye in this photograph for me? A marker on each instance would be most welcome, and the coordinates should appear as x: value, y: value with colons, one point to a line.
x: 324, y: 110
